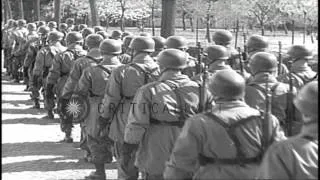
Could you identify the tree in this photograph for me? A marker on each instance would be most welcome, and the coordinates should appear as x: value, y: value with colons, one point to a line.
x: 168, y: 18
x: 37, y: 10
x: 8, y: 7
x: 123, y: 9
x: 94, y: 13
x: 21, y: 9
x: 57, y: 10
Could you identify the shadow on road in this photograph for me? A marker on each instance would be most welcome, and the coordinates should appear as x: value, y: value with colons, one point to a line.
x: 37, y: 121
x: 45, y: 148
x: 14, y: 93
x: 17, y: 103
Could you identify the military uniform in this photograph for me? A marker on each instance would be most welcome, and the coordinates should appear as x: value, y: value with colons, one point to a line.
x: 121, y: 88
x: 296, y: 157
x: 211, y: 144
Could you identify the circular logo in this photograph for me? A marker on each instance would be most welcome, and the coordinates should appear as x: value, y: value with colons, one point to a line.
x: 78, y: 107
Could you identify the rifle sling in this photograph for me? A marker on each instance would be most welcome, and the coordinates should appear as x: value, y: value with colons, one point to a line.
x: 145, y: 72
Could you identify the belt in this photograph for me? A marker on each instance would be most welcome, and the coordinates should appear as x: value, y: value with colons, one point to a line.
x: 204, y: 160
x: 167, y: 123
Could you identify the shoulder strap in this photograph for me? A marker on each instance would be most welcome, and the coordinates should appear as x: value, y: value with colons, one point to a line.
x: 145, y: 72
x: 273, y: 88
x: 297, y: 76
x: 93, y: 59
x: 104, y: 69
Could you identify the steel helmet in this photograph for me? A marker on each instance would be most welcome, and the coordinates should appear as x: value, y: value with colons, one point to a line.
x: 10, y: 22
x: 300, y: 52
x: 173, y: 58
x: 110, y: 46
x: 142, y: 44
x: 87, y: 31
x: 32, y: 27
x: 93, y: 40
x: 307, y: 99
x: 70, y: 21
x: 63, y: 26
x: 222, y: 37
x: 22, y: 23
x: 43, y: 30
x: 176, y: 42
x: 257, y: 42
x: 74, y: 37
x: 263, y: 62
x: 52, y: 24
x: 55, y: 36
x: 98, y: 28
x: 116, y: 34
x: 104, y: 34
x: 227, y: 84
x: 82, y: 26
x: 15, y: 24
x: 216, y: 52
x: 41, y: 23
x: 159, y: 42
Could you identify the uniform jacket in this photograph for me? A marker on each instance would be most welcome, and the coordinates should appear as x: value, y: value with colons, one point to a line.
x: 294, y: 158
x: 31, y: 47
x: 156, y: 141
x: 79, y: 66
x: 203, y: 135
x: 61, y: 66
x: 121, y: 88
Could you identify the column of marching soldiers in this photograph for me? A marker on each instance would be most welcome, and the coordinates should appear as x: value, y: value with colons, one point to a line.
x: 242, y: 116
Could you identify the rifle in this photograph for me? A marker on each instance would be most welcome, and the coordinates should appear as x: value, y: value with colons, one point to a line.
x: 280, y: 59
x: 290, y: 107
x: 237, y: 30
x: 198, y: 45
x: 267, y: 123
x: 245, y: 49
x: 240, y: 61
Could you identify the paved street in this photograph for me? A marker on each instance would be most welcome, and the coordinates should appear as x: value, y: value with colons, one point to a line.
x: 29, y: 142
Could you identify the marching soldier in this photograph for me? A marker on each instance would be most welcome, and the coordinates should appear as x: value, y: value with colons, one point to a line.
x: 104, y: 34
x: 125, y: 34
x: 63, y: 27
x: 121, y: 88
x: 82, y: 26
x: 70, y: 24
x: 39, y: 65
x: 301, y: 72
x: 264, y: 67
x: 180, y: 43
x: 257, y: 43
x: 117, y: 34
x: 92, y: 84
x: 93, y: 57
x: 58, y: 75
x: 171, y: 100
x: 98, y: 28
x: 7, y: 45
x: 41, y: 23
x: 159, y: 45
x: 86, y: 32
x: 296, y: 157
x: 52, y: 25
x: 221, y: 143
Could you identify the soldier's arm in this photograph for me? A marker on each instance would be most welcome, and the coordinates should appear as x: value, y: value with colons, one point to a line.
x: 138, y: 117
x: 84, y: 83
x: 54, y: 71
x: 112, y: 96
x: 184, y: 157
x: 39, y: 63
x: 274, y: 165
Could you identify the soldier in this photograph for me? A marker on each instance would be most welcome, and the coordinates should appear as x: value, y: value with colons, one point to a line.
x: 98, y: 28
x: 93, y: 57
x: 221, y: 143
x: 7, y: 45
x: 41, y: 23
x: 32, y: 46
x: 52, y: 25
x: 296, y: 157
x: 300, y: 70
x: 63, y: 28
x: 125, y: 56
x: 104, y: 34
x: 264, y: 67
x: 58, y: 75
x: 94, y: 80
x: 82, y: 26
x: 43, y: 60
x: 257, y: 43
x: 85, y: 32
x: 173, y: 99
x: 121, y: 88
x: 125, y: 34
x: 179, y: 42
x: 116, y: 35
x: 159, y: 45
x: 70, y: 24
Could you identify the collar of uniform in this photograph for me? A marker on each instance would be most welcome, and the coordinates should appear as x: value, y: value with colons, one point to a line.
x: 215, y: 67
x: 173, y: 75
x: 108, y: 60
x: 95, y: 53
x: 142, y: 58
x: 310, y: 130
x: 263, y: 78
x: 222, y: 104
x: 300, y: 65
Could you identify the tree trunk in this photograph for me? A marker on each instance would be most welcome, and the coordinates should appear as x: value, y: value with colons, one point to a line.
x: 292, y: 37
x: 57, y: 8
x: 262, y: 28
x: 107, y: 22
x: 184, y: 13
x: 94, y: 13
x: 152, y: 19
x: 5, y: 12
x: 21, y: 9
x: 8, y: 7
x: 122, y: 21
x: 208, y: 28
x: 191, y: 23
x: 36, y: 10
x: 285, y: 28
x: 168, y: 18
